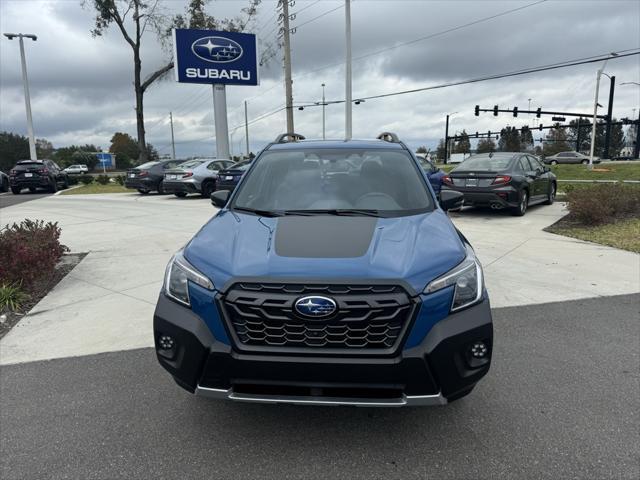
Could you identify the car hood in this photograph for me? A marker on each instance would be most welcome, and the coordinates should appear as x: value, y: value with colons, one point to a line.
x: 415, y: 249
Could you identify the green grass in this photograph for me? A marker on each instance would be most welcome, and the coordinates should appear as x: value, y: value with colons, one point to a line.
x: 623, y: 234
x: 97, y: 188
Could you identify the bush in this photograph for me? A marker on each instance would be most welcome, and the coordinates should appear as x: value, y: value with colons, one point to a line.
x: 11, y: 297
x: 603, y: 203
x: 102, y: 179
x: 85, y: 179
x: 29, y: 251
x: 72, y: 180
x: 120, y: 179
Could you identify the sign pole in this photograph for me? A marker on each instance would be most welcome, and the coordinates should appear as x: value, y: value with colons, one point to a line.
x: 220, y: 119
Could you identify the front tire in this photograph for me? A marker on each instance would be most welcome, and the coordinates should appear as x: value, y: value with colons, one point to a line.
x: 207, y: 189
x: 523, y: 203
x: 142, y: 191
x: 551, y: 196
x: 180, y: 194
x: 53, y: 188
x: 585, y: 162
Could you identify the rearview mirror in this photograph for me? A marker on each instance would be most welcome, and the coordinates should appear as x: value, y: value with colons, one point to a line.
x: 450, y: 200
x: 219, y: 198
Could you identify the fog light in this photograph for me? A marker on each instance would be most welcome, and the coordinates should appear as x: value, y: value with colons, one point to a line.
x: 165, y: 342
x: 479, y: 350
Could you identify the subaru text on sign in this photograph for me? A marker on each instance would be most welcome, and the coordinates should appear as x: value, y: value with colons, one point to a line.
x: 209, y: 56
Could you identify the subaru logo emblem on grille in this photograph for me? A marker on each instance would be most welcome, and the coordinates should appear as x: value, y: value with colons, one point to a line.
x: 315, y: 307
x: 216, y: 49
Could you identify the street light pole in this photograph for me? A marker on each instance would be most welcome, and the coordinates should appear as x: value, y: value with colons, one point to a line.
x: 246, y: 126
x: 324, y: 136
x: 348, y: 93
x: 446, y: 138
x: 607, y: 134
x: 27, y: 98
x: 595, y: 115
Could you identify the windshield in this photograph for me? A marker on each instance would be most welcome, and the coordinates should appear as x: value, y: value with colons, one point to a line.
x: 358, y: 182
x: 191, y: 164
x: 240, y: 166
x: 484, y: 163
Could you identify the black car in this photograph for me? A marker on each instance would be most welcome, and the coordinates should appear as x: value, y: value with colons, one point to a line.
x: 4, y: 182
x: 34, y: 174
x: 503, y: 180
x: 228, y: 179
x: 148, y: 177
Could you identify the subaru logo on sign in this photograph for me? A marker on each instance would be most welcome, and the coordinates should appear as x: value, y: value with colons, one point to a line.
x: 315, y: 307
x: 216, y: 49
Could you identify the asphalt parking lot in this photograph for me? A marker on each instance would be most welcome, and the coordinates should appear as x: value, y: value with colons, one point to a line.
x: 561, y: 401
x: 7, y: 199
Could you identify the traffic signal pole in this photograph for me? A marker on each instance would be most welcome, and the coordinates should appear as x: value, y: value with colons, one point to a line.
x: 446, y: 140
x: 607, y: 135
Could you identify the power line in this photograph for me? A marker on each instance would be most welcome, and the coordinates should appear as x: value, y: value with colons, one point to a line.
x: 294, y: 28
x: 433, y: 35
x: 568, y: 63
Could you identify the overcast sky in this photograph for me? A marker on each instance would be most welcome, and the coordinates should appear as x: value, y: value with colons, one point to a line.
x: 81, y: 87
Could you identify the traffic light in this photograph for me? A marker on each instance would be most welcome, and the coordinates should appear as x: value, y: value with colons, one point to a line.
x: 538, y: 112
x: 477, y: 113
x: 515, y: 111
x: 495, y: 110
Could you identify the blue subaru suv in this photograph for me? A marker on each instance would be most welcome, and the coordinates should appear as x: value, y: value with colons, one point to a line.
x: 331, y: 276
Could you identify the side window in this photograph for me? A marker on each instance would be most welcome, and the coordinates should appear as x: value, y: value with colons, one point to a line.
x: 563, y: 154
x: 214, y: 166
x: 535, y: 164
x: 523, y: 165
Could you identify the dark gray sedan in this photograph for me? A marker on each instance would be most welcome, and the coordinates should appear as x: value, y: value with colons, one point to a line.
x: 569, y: 157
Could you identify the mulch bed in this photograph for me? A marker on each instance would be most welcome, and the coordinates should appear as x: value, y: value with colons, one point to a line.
x: 40, y: 290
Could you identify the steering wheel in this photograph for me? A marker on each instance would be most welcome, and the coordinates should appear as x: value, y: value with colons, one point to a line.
x: 377, y: 200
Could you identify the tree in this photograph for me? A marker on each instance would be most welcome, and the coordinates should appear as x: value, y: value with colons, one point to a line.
x: 440, y: 150
x: 616, y: 142
x: 486, y: 145
x: 44, y: 148
x: 84, y: 157
x: 13, y: 147
x: 526, y: 139
x: 123, y: 144
x: 64, y: 156
x: 509, y: 140
x: 152, y: 153
x: 422, y: 149
x: 463, y: 145
x: 555, y: 141
x: 146, y: 14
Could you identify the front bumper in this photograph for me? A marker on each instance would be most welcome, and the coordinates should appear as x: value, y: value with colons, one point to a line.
x: 433, y: 372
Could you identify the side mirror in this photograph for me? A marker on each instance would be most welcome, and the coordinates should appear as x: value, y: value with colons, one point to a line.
x: 450, y: 199
x: 219, y: 198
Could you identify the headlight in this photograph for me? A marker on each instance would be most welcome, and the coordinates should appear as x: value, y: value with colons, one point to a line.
x: 468, y: 281
x: 176, y: 280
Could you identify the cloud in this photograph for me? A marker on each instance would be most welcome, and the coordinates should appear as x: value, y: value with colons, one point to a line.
x: 82, y: 90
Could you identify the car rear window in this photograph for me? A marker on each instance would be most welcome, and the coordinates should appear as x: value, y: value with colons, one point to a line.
x: 191, y: 164
x: 147, y: 165
x: 25, y: 164
x: 484, y: 163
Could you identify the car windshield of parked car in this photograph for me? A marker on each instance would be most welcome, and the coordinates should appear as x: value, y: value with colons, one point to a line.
x: 191, y: 163
x: 240, y: 166
x: 147, y: 165
x: 350, y: 182
x: 484, y: 163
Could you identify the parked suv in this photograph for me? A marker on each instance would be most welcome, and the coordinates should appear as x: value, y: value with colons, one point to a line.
x: 320, y: 283
x: 34, y: 174
x: 149, y: 176
x: 194, y: 176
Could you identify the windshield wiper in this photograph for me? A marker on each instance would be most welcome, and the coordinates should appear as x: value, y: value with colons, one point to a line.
x: 262, y: 213
x: 347, y: 212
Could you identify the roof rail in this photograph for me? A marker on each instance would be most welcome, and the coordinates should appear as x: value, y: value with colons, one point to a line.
x: 289, y: 137
x: 388, y: 137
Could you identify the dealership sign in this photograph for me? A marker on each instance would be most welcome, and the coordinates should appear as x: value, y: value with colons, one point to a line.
x: 208, y: 56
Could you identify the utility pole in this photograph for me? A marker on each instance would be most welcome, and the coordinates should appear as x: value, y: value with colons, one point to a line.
x: 347, y: 103
x: 578, y: 135
x: 246, y: 126
x: 324, y: 136
x: 446, y: 140
x: 173, y: 143
x: 636, y: 147
x: 607, y: 135
x: 288, y: 87
x: 25, y: 81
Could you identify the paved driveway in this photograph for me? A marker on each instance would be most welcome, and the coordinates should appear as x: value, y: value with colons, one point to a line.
x: 8, y: 199
x: 561, y: 401
x: 131, y: 238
